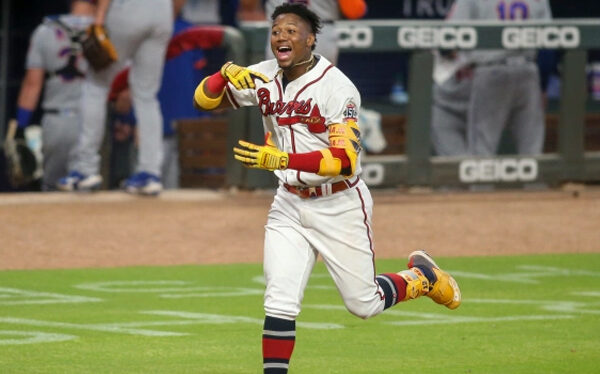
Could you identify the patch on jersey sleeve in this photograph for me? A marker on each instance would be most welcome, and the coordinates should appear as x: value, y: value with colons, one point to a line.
x: 350, y: 112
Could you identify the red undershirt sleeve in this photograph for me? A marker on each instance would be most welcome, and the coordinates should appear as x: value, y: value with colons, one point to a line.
x: 311, y: 161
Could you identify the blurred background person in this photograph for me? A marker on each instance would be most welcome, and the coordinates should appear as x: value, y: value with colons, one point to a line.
x: 506, y: 89
x: 55, y: 65
x: 211, y: 12
x: 142, y: 39
x: 451, y: 94
x: 184, y: 66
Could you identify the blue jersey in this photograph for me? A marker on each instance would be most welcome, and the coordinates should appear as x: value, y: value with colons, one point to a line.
x: 180, y: 78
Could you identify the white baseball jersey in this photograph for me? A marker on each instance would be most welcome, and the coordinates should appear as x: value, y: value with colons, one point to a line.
x: 299, y: 113
x: 336, y: 226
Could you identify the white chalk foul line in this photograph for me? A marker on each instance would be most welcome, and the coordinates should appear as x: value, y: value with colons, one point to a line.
x: 222, y: 319
x: 12, y: 337
x: 111, y: 327
x: 16, y: 296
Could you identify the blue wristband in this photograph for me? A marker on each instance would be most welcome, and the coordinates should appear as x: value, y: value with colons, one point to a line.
x: 23, y: 117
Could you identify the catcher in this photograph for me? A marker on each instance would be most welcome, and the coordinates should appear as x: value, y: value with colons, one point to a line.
x: 54, y: 61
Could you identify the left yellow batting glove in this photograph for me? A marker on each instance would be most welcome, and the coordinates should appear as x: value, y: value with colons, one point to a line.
x: 241, y: 77
x: 267, y: 157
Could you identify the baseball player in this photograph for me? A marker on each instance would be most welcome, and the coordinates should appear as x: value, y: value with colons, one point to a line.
x: 328, y: 11
x: 54, y: 61
x: 506, y: 85
x: 452, y: 77
x: 140, y: 31
x: 322, y: 206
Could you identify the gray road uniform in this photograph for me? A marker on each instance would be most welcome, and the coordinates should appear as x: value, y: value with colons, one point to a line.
x: 506, y: 84
x: 140, y: 31
x: 449, y: 112
x: 54, y: 48
x: 328, y: 11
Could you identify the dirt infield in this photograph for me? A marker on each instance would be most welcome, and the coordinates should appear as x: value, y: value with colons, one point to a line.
x: 106, y: 229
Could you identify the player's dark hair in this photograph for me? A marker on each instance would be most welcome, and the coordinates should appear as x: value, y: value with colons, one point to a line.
x: 303, y: 12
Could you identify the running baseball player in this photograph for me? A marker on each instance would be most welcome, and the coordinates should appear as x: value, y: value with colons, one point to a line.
x: 140, y: 31
x: 321, y: 207
x: 328, y: 11
x: 54, y: 61
x: 506, y: 89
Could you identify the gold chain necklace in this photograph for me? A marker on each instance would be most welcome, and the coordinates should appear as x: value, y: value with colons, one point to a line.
x: 310, y: 61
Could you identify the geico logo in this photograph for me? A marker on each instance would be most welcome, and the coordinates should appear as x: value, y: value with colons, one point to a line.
x: 498, y: 170
x: 541, y: 37
x: 443, y: 37
x: 373, y: 174
x: 354, y: 36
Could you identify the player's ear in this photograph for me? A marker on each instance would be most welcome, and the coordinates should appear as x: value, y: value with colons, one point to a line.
x: 310, y: 41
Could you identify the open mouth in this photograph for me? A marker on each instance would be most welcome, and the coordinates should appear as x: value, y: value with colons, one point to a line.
x: 284, y: 53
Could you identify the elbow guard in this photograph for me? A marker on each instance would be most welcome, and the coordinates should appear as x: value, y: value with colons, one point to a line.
x: 202, y: 101
x: 346, y: 137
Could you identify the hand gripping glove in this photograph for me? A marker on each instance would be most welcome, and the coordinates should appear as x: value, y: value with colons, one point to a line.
x: 240, y: 76
x: 20, y: 160
x: 97, y: 48
x: 267, y: 157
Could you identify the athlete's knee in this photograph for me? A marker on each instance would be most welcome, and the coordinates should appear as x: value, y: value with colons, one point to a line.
x: 281, y: 309
x: 362, y: 307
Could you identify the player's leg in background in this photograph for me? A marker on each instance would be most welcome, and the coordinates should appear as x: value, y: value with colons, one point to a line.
x: 170, y: 165
x: 93, y: 119
x: 527, y: 122
x: 145, y: 77
x: 449, y: 117
x: 488, y: 109
x: 288, y: 263
x: 59, y: 137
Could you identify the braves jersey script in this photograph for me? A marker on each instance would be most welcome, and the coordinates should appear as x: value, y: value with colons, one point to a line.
x: 50, y: 49
x: 501, y: 10
x: 299, y: 113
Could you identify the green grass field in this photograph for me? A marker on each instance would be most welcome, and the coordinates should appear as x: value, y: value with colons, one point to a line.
x: 524, y: 314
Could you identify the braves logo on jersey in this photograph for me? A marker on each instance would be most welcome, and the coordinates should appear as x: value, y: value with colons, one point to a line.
x: 292, y: 112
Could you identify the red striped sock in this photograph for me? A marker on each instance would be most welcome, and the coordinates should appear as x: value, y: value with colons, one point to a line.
x: 394, y: 288
x: 279, y: 336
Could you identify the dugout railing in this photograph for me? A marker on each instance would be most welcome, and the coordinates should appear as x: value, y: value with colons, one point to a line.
x: 417, y: 166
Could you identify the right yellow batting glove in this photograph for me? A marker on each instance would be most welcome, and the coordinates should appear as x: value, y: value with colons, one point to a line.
x: 267, y: 157
x: 240, y: 76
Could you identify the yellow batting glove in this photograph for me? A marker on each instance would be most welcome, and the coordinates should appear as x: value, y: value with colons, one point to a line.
x: 240, y: 76
x: 267, y: 157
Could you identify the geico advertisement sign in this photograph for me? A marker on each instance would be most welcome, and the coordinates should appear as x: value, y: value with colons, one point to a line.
x: 464, y: 37
x: 410, y: 37
x: 498, y: 170
x: 440, y: 37
x: 541, y: 37
x: 354, y: 36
